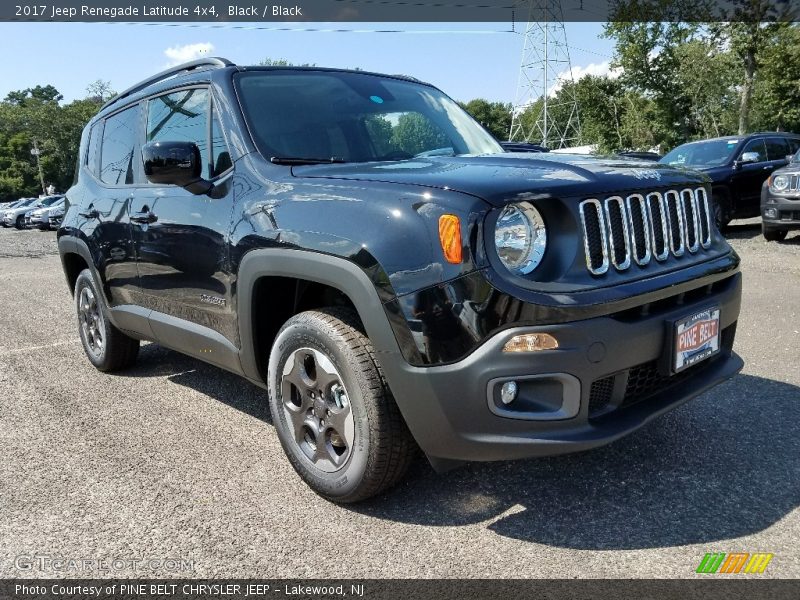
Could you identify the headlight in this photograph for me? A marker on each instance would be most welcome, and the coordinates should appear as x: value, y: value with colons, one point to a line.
x: 780, y: 183
x: 520, y: 238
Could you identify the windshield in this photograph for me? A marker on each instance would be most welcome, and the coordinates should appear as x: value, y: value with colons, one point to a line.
x: 712, y: 153
x: 354, y: 117
x: 50, y: 201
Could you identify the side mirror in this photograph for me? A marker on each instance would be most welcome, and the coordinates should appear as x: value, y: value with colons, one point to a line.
x: 789, y: 157
x: 748, y: 157
x: 175, y: 163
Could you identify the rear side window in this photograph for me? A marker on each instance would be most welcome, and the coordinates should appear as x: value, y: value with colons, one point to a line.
x: 181, y: 117
x: 777, y: 148
x: 93, y: 151
x: 758, y: 147
x: 119, y: 148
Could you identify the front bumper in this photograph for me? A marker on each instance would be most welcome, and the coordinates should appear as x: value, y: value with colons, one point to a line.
x: 605, y: 372
x: 781, y: 211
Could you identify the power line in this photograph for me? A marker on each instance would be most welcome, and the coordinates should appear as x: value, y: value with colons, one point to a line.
x: 316, y: 29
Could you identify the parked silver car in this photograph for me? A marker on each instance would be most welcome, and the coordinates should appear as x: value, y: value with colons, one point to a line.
x: 40, y: 217
x: 16, y: 216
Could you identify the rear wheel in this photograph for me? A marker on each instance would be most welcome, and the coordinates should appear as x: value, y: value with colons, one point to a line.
x: 773, y: 234
x: 106, y: 347
x: 334, y: 414
x: 722, y: 210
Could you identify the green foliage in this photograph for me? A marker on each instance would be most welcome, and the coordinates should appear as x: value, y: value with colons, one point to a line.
x: 36, y: 116
x: 494, y: 116
x: 414, y: 134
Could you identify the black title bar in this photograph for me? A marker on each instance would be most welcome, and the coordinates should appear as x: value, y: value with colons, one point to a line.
x: 511, y: 12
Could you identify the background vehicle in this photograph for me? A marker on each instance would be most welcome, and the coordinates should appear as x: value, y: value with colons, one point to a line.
x: 523, y: 147
x: 40, y: 217
x: 33, y: 217
x: 393, y: 290
x: 780, y: 201
x: 640, y: 155
x: 737, y: 166
x: 8, y: 206
x: 16, y: 216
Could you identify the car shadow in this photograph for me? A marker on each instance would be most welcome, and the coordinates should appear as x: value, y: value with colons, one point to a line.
x: 216, y: 383
x: 723, y: 466
x: 752, y: 230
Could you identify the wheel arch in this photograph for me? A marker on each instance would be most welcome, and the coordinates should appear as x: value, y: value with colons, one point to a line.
x: 330, y: 271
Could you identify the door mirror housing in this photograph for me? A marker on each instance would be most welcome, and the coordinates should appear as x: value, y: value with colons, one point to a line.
x: 175, y: 163
x: 748, y: 157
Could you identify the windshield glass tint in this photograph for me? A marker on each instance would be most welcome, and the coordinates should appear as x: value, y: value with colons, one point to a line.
x: 355, y: 117
x: 712, y: 153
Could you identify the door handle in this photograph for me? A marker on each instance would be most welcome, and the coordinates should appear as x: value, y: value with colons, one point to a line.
x: 146, y: 217
x: 90, y: 214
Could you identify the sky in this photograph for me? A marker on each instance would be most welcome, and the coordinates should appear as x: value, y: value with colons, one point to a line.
x: 466, y: 60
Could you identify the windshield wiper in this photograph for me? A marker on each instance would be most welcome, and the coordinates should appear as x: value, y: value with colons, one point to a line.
x: 293, y: 160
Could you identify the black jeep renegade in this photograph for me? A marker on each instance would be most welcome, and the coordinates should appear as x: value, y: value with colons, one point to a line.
x: 362, y: 249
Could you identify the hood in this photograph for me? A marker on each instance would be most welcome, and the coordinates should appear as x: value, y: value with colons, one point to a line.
x: 501, y: 178
x: 793, y: 168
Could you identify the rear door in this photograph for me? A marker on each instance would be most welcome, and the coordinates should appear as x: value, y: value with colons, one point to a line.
x: 114, y: 163
x: 181, y: 239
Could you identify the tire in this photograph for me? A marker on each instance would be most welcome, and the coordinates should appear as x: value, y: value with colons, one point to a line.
x: 106, y: 347
x: 722, y: 210
x: 773, y: 234
x: 20, y: 222
x: 326, y: 350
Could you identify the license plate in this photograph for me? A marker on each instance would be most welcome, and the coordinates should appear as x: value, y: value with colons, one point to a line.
x: 696, y: 338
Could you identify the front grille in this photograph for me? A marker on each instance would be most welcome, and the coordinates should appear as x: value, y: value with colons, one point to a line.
x: 619, y: 231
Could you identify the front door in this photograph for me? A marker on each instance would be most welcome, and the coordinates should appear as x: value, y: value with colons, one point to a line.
x: 181, y: 239
x: 749, y: 177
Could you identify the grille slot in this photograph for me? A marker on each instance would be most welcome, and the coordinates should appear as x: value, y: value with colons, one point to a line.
x: 639, y: 228
x: 703, y: 216
x: 594, y: 237
x: 620, y: 231
x: 689, y: 208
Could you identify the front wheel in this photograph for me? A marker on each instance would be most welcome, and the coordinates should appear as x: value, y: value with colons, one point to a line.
x: 334, y: 414
x: 773, y: 234
x: 20, y: 222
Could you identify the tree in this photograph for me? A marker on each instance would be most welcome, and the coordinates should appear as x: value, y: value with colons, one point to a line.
x: 776, y: 95
x: 414, y: 133
x: 494, y: 116
x: 282, y: 62
x: 100, y: 91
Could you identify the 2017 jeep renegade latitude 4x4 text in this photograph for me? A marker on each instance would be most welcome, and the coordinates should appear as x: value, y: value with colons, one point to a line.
x: 362, y: 249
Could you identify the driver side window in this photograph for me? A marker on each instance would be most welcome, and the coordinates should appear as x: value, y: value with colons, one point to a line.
x: 758, y: 147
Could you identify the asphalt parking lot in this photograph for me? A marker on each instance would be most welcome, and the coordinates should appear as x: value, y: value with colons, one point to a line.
x: 178, y: 460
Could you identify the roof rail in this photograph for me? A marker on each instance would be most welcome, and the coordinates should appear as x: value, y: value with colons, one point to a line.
x: 171, y: 72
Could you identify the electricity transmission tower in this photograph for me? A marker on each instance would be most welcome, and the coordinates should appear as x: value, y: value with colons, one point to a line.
x: 545, y: 67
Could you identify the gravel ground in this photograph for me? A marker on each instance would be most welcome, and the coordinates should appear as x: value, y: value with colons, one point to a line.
x: 177, y: 459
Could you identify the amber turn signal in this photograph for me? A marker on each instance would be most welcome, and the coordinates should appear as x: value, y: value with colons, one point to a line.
x: 531, y: 342
x: 450, y: 238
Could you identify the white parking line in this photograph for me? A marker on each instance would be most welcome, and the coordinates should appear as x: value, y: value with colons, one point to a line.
x: 34, y: 348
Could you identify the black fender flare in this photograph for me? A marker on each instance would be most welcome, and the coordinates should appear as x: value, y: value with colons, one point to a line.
x: 325, y: 269
x: 68, y: 244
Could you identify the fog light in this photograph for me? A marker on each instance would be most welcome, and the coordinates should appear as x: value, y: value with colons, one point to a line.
x: 531, y: 342
x: 771, y: 213
x: 508, y: 392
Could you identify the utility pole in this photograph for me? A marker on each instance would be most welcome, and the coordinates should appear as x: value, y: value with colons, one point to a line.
x: 545, y: 66
x: 36, y: 152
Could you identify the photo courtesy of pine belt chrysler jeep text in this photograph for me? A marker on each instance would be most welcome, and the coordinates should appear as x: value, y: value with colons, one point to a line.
x: 363, y: 250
